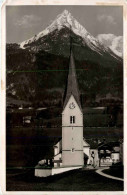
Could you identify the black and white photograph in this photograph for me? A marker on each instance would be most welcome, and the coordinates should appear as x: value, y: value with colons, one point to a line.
x: 64, y: 98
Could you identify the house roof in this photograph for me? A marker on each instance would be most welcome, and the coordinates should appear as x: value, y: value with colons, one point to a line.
x: 86, y: 156
x: 72, y: 85
x: 56, y: 145
x: 109, y: 145
x: 93, y: 144
x: 59, y: 140
x: 85, y: 143
x: 114, y: 144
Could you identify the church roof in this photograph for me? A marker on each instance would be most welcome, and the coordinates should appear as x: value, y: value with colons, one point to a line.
x: 85, y: 144
x: 72, y: 85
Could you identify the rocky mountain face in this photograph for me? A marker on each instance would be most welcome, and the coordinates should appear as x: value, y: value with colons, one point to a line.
x: 62, y: 22
x: 115, y: 43
x: 37, y: 68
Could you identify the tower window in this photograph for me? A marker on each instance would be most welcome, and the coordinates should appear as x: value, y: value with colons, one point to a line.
x: 72, y: 119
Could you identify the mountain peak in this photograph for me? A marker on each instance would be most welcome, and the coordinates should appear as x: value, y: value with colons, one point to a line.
x: 66, y: 20
x: 62, y: 20
x: 65, y: 12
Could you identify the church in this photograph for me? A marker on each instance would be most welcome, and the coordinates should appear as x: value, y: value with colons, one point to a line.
x: 72, y: 149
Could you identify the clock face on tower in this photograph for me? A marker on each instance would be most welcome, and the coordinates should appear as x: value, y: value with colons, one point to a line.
x: 72, y: 105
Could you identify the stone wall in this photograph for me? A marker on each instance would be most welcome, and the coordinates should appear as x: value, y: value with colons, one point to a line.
x: 41, y: 172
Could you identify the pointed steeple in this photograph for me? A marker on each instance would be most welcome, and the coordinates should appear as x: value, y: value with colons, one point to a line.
x: 72, y: 86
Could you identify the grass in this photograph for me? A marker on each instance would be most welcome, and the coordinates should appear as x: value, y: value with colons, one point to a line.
x: 116, y: 172
x: 27, y: 145
x: 76, y: 180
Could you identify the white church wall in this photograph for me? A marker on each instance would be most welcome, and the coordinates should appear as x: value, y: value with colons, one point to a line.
x: 55, y: 150
x: 58, y: 147
x: 43, y: 172
x: 64, y: 169
x: 53, y: 171
x: 72, y: 138
x: 72, y: 158
x: 86, y: 150
x: 58, y: 165
x: 72, y: 112
x: 57, y: 157
x: 57, y: 160
x: 72, y: 135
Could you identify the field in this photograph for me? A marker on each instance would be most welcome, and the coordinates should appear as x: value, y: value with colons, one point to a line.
x: 76, y: 180
x: 116, y: 171
x: 29, y: 143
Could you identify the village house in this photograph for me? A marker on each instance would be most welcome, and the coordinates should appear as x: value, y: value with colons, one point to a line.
x: 27, y: 119
x: 121, y: 153
x: 109, y: 153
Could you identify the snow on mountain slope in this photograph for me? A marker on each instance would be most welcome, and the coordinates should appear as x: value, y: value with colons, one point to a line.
x: 67, y: 20
x: 115, y: 43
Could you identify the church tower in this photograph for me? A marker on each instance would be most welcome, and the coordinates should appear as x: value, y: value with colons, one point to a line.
x: 72, y: 122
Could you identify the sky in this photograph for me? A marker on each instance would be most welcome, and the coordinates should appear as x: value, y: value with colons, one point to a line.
x: 23, y: 22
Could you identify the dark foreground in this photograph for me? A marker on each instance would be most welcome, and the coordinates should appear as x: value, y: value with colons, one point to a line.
x: 76, y: 180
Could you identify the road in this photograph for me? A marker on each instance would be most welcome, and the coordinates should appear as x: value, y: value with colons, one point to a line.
x: 100, y: 171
